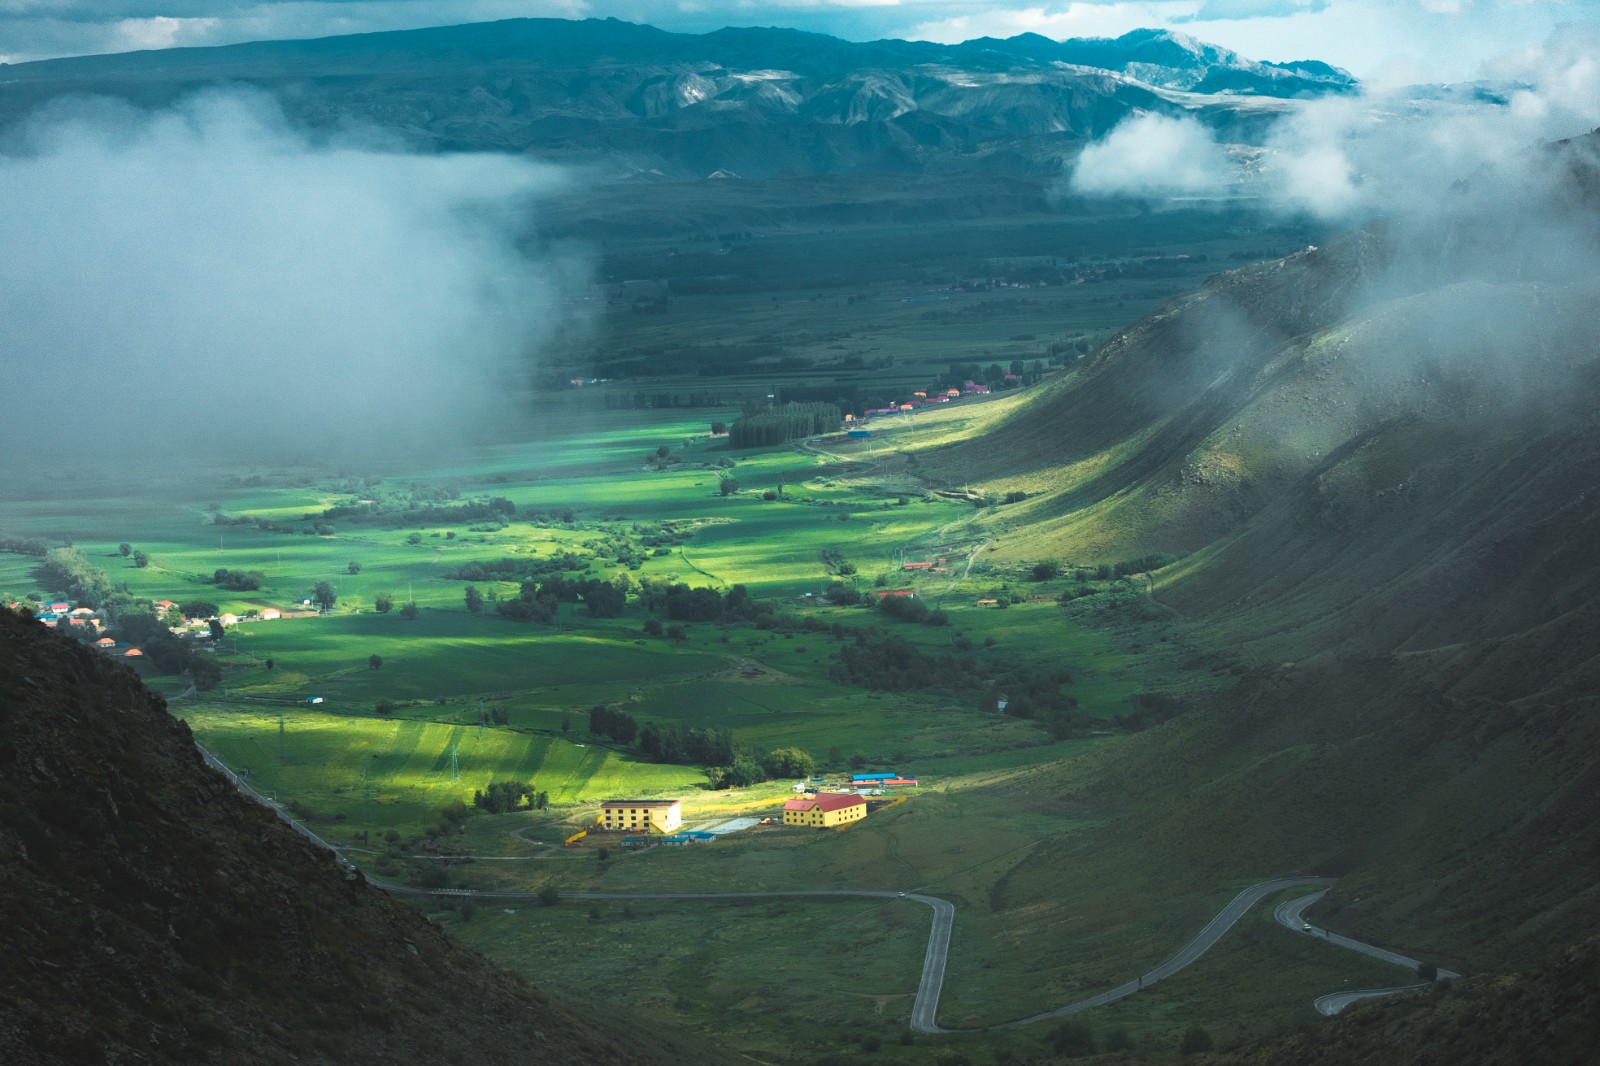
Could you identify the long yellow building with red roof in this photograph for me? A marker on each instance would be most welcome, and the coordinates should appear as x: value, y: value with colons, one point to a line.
x: 824, y: 810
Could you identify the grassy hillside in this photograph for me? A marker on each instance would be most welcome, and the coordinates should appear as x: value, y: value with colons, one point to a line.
x: 1548, y: 1014
x: 1379, y: 456
x: 155, y: 915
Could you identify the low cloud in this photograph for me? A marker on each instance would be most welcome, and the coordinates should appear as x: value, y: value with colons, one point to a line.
x: 1400, y: 151
x: 209, y: 280
x: 1405, y: 153
x: 1152, y: 156
x: 1217, y: 10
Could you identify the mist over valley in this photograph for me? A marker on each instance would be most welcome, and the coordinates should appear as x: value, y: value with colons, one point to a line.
x: 563, y: 538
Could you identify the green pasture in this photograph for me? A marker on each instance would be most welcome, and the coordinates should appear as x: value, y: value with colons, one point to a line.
x: 448, y: 654
x: 886, y: 297
x: 774, y: 977
x: 396, y: 774
x: 978, y: 836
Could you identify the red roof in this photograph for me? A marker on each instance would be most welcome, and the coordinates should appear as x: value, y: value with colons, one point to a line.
x: 825, y: 801
x: 881, y: 593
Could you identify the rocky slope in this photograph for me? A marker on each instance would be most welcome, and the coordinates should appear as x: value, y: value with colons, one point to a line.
x: 153, y: 915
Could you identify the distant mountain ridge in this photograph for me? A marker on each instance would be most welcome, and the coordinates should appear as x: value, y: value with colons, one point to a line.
x: 747, y: 101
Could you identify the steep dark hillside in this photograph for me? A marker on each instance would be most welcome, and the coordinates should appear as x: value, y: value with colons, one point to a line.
x: 1379, y: 445
x: 1550, y: 1015
x: 633, y: 101
x: 153, y: 915
x: 1382, y: 456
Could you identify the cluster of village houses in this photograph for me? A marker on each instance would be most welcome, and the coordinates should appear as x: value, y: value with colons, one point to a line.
x: 91, y: 621
x: 646, y: 822
x: 924, y: 399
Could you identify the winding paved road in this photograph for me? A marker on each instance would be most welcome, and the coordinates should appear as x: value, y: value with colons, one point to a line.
x: 1203, y: 941
x: 925, y: 1008
x: 1289, y: 915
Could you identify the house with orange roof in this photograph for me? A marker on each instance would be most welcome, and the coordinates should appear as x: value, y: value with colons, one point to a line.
x: 824, y: 810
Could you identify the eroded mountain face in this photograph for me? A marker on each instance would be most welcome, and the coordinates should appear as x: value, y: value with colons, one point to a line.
x: 633, y: 101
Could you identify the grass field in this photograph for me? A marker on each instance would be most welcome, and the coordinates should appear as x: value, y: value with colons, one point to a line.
x: 385, y: 774
x: 1049, y: 906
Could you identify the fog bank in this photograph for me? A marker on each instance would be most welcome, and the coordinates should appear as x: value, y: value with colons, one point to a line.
x: 1389, y: 150
x: 209, y: 280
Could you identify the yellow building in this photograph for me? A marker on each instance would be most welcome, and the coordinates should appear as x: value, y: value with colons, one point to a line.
x: 824, y: 810
x: 641, y: 816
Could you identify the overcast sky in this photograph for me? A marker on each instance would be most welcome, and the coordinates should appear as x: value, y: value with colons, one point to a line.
x: 1388, y: 40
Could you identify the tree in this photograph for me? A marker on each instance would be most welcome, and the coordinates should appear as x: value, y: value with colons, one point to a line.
x: 124, y: 550
x: 1195, y: 1040
x: 375, y: 661
x: 620, y: 726
x: 474, y: 599
x: 502, y: 797
x: 383, y: 707
x: 677, y: 633
x: 652, y: 627
x: 744, y: 771
x: 566, y: 723
x: 352, y: 567
x: 788, y: 762
x: 414, y: 538
x: 1427, y: 971
x: 604, y: 600
x: 1046, y: 570
x: 549, y: 896
x: 718, y: 428
x: 141, y: 560
x: 663, y: 451
x: 238, y: 580
x: 205, y: 672
x: 323, y: 596
x: 1072, y: 1039
x: 198, y: 609
x: 216, y: 629
x: 383, y: 602
x: 270, y: 664
x: 409, y: 611
x: 727, y: 486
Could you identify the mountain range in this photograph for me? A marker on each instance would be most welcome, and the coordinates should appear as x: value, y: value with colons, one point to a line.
x: 631, y: 100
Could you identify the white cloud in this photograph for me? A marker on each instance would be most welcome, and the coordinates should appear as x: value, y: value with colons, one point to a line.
x: 208, y: 276
x: 1256, y: 9
x: 1152, y: 156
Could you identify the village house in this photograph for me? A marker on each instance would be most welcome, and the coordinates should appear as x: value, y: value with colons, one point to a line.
x: 649, y: 816
x: 824, y: 810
